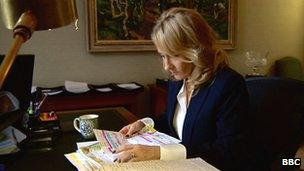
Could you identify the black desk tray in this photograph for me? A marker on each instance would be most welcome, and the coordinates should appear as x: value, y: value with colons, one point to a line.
x: 93, y: 89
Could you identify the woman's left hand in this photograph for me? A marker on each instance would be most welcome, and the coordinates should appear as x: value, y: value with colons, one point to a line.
x: 137, y: 152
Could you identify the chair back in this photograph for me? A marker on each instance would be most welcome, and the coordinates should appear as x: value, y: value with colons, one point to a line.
x: 277, y: 106
x: 289, y: 67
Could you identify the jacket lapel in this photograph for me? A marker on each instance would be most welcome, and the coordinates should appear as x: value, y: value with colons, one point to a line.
x: 174, y: 87
x: 193, y: 111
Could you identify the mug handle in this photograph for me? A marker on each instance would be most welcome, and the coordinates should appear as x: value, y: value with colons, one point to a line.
x: 76, y: 125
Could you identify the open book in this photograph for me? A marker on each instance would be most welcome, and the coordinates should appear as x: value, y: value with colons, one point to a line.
x: 108, y: 141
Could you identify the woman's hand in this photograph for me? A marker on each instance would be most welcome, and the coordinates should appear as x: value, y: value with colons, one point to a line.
x: 132, y: 128
x: 137, y: 152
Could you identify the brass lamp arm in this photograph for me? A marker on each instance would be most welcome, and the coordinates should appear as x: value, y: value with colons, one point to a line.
x: 23, y: 31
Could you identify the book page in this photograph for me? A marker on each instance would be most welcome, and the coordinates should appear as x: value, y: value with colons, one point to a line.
x: 195, y: 164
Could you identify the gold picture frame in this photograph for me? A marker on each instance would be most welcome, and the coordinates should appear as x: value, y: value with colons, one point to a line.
x: 111, y: 29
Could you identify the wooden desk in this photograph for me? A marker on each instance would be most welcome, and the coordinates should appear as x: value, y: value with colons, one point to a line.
x: 110, y: 119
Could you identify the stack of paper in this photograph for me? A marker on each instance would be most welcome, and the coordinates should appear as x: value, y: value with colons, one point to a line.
x: 11, y: 136
x: 194, y: 164
x: 93, y: 155
x: 97, y: 155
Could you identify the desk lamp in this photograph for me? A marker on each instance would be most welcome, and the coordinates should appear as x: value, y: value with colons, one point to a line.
x: 26, y: 16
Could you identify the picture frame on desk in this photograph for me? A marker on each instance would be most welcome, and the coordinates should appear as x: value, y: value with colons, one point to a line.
x: 127, y: 26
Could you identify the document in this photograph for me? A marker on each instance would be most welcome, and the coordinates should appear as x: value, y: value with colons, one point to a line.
x: 156, y: 138
x: 113, y: 139
x: 98, y: 155
x: 129, y: 86
x: 195, y: 164
x: 110, y: 139
x: 85, y: 144
x: 76, y: 87
x: 106, y: 89
x: 79, y: 162
x: 50, y: 92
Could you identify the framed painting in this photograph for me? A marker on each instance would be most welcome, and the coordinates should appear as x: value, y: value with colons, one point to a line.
x: 126, y: 25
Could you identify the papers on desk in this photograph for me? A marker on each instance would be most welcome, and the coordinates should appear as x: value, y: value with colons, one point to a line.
x: 76, y: 87
x: 52, y: 92
x: 97, y: 155
x: 12, y: 137
x: 130, y: 86
x: 101, y: 151
x: 106, y: 89
x: 194, y: 164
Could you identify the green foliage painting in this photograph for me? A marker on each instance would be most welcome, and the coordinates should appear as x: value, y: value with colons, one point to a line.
x: 126, y: 25
x: 134, y: 19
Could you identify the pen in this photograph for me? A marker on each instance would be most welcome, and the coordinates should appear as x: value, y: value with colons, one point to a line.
x: 40, y: 103
x: 44, y: 97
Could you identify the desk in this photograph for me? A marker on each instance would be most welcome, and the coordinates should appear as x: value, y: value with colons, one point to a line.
x: 110, y: 119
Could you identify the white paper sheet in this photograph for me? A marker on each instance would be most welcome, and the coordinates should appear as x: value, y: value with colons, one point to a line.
x: 76, y: 87
x: 85, y: 144
x: 195, y: 164
x: 156, y: 138
x: 106, y: 89
x: 52, y: 92
x: 78, y: 161
x: 129, y: 86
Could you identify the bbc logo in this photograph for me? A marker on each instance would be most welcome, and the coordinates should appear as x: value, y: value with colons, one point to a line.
x: 291, y: 162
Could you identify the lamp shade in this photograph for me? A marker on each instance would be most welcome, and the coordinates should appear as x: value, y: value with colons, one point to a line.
x: 49, y: 13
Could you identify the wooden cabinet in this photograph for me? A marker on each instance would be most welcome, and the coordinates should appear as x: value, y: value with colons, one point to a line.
x: 158, y: 96
x: 92, y: 100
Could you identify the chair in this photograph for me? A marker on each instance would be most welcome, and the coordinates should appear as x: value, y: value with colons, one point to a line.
x: 278, y: 107
x: 289, y: 67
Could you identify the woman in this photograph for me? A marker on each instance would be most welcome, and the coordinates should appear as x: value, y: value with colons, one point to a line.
x: 207, y: 101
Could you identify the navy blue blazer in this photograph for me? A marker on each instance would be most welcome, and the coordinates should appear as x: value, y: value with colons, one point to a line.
x: 217, y: 121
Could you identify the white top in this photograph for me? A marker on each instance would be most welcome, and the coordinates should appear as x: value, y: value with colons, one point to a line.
x: 175, y: 151
x: 180, y: 111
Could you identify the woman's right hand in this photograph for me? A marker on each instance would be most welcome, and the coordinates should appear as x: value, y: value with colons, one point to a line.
x: 132, y: 128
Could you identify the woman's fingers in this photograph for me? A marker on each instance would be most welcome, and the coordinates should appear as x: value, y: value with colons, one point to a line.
x: 132, y: 128
x: 130, y: 153
x: 126, y: 154
x: 123, y: 148
x: 125, y: 129
x: 127, y: 157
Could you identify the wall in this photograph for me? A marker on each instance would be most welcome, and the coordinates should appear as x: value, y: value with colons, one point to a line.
x: 61, y: 54
x: 269, y: 25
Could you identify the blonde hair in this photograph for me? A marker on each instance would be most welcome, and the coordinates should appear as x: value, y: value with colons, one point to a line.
x: 184, y: 32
